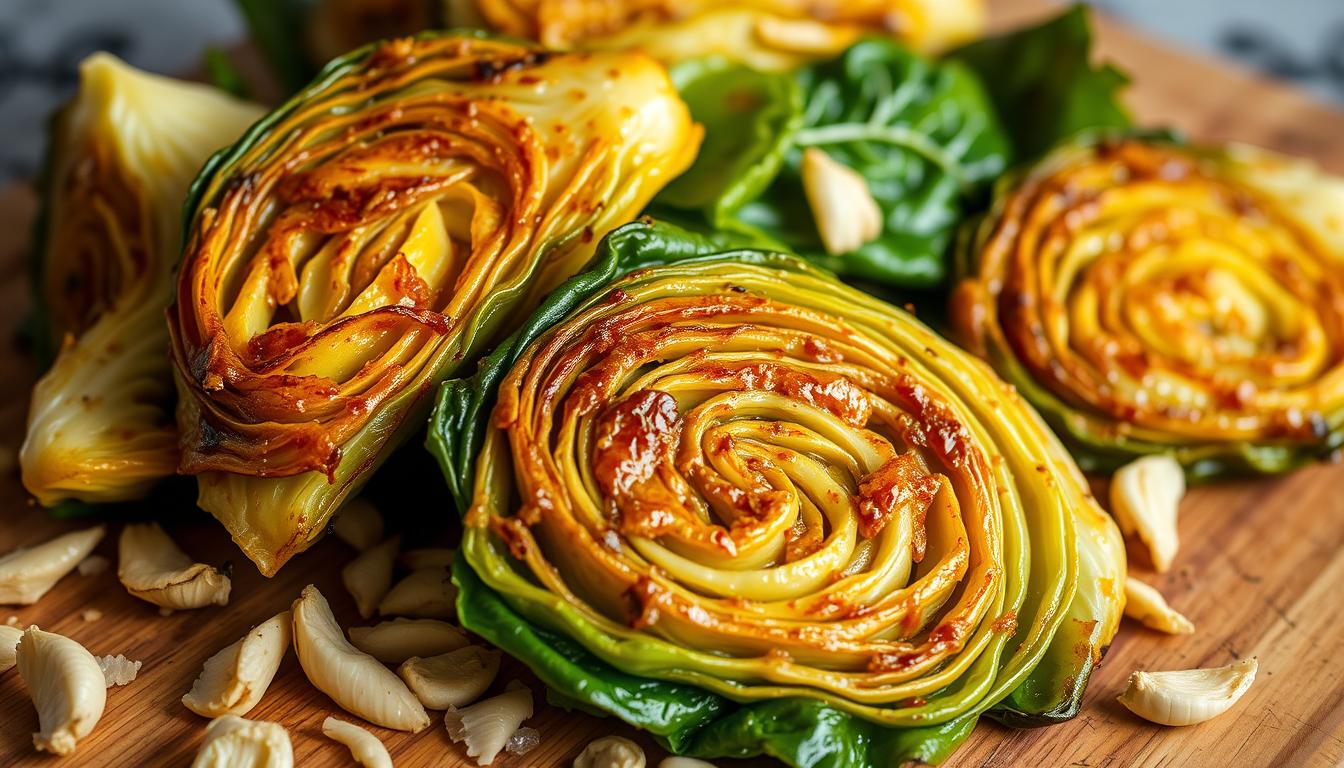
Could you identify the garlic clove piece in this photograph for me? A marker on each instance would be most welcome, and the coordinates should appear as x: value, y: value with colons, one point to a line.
x: 452, y: 679
x: 611, y: 752
x: 1188, y: 696
x: 356, y: 681
x: 9, y: 641
x: 359, y: 524
x: 366, y: 748
x: 846, y: 214
x: 369, y: 576
x: 427, y: 557
x: 1145, y: 604
x: 67, y: 686
x: 485, y: 727
x: 232, y: 742
x: 683, y: 762
x: 1145, y: 499
x: 153, y: 568
x: 395, y: 641
x: 424, y: 594
x: 26, y: 574
x: 233, y: 680
x: 118, y: 670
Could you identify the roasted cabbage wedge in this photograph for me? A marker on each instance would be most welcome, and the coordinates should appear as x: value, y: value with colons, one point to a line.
x: 765, y: 34
x: 1150, y: 297
x: 383, y: 228
x: 123, y: 152
x: 737, y: 503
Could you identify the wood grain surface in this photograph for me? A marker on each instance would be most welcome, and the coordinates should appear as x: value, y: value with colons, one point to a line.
x: 1260, y: 570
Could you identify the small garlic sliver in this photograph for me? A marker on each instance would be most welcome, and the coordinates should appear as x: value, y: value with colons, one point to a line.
x: 233, y: 680
x: 453, y: 679
x: 1145, y: 499
x: 424, y: 594
x: 801, y: 35
x: 484, y: 728
x: 232, y: 742
x: 611, y: 752
x: 846, y: 214
x: 1188, y: 696
x: 366, y: 748
x: 153, y: 568
x: 356, y: 681
x: 369, y: 576
x: 395, y: 641
x: 67, y: 686
x: 9, y: 641
x: 1145, y: 604
x: 27, y: 574
x: 427, y: 557
x: 358, y: 524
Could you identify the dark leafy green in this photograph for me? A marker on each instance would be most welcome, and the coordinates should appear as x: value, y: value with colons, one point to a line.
x: 277, y: 28
x: 686, y: 719
x: 921, y: 133
x: 1044, y: 85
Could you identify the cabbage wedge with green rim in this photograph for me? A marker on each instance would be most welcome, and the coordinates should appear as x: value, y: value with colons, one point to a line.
x: 123, y: 153
x: 1150, y: 297
x: 754, y: 511
x: 382, y: 229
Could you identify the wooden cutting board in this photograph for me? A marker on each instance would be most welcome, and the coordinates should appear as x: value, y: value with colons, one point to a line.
x: 1259, y: 571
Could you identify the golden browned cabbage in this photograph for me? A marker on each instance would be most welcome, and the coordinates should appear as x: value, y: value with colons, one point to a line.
x: 737, y: 473
x: 767, y: 34
x: 123, y: 153
x: 1155, y: 298
x: 379, y: 231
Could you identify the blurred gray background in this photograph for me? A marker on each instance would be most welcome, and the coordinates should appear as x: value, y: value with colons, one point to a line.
x: 42, y: 42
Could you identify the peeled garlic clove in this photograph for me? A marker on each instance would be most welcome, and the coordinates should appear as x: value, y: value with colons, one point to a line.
x: 356, y: 681
x: 358, y: 524
x: 395, y: 641
x: 152, y: 568
x: 368, y: 577
x: 1145, y: 498
x: 610, y: 752
x: 427, y: 557
x: 367, y: 750
x: 1188, y: 696
x: 683, y: 762
x: 1145, y: 604
x: 66, y: 684
x: 9, y: 639
x: 425, y: 594
x: 233, y: 681
x: 846, y: 214
x: 232, y: 742
x: 452, y: 679
x: 800, y: 35
x: 485, y: 727
x: 27, y: 574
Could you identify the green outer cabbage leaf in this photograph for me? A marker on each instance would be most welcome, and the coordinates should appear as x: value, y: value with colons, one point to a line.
x: 685, y: 718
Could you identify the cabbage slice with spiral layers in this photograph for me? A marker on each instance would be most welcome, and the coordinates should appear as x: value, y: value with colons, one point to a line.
x: 765, y: 34
x: 1149, y: 297
x: 123, y: 153
x: 751, y: 509
x: 376, y: 233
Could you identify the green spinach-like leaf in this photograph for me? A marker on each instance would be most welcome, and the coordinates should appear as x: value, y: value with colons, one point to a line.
x: 1044, y: 85
x: 921, y: 133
